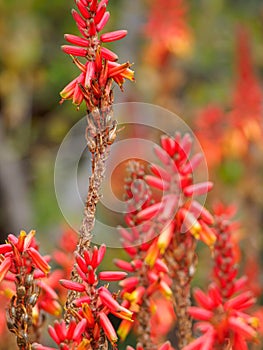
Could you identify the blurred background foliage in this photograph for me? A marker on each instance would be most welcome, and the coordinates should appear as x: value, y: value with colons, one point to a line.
x: 198, y: 68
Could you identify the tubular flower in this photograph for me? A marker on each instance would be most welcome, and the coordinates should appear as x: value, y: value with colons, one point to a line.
x: 64, y: 257
x: 21, y: 252
x: 147, y: 272
x: 93, y: 85
x: 179, y: 202
x: 221, y: 312
x: 89, y: 324
x: 48, y: 300
x: 182, y: 221
x: 177, y: 217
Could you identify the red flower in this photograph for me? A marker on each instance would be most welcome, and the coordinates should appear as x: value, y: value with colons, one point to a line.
x: 22, y: 252
x: 167, y: 30
x: 221, y: 311
x: 92, y: 307
x: 179, y: 203
x: 247, y: 99
x: 223, y: 321
x: 94, y: 82
x: 210, y: 130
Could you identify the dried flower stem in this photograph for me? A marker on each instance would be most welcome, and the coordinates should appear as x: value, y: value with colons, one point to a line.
x: 144, y: 315
x: 19, y: 312
x: 181, y: 260
x: 21, y: 263
x: 100, y: 134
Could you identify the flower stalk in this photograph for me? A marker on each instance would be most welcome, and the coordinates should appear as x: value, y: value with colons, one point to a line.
x: 93, y: 87
x: 185, y: 219
x: 146, y: 271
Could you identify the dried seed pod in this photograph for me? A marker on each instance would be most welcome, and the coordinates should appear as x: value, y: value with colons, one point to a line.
x: 112, y: 133
x: 29, y: 280
x: 21, y: 291
x: 32, y: 299
x: 25, y: 318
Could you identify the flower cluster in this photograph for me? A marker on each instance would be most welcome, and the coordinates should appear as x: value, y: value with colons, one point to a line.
x: 26, y: 268
x: 246, y: 114
x: 171, y: 32
x: 93, y: 85
x: 21, y: 252
x: 163, y: 229
x: 89, y: 326
x: 210, y: 129
x: 148, y: 273
x: 179, y: 201
x: 224, y: 133
x: 221, y: 311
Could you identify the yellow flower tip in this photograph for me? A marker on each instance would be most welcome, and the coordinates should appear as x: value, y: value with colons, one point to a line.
x: 84, y: 345
x: 58, y: 312
x: 153, y: 308
x: 35, y: 315
x: 152, y: 254
x: 32, y: 233
x: 165, y: 238
x: 165, y: 289
x: 8, y: 293
x: 129, y: 74
x: 150, y: 259
x: 29, y: 238
x: 22, y: 234
x: 124, y: 329
x: 254, y: 322
x: 208, y: 236
x: 128, y: 296
x: 195, y: 230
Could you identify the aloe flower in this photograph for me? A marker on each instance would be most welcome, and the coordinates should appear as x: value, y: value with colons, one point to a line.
x: 222, y: 313
x: 162, y: 231
x: 27, y: 270
x: 89, y: 325
x: 99, y: 68
x: 147, y: 277
x: 172, y: 34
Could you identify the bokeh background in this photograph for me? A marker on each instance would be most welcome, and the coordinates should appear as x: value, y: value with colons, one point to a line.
x: 202, y: 60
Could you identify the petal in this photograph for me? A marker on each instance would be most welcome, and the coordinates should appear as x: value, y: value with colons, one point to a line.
x: 74, y: 50
x: 78, y: 287
x: 107, y: 327
x: 4, y: 267
x: 38, y: 260
x: 113, y: 36
x: 108, y: 54
x: 103, y: 21
x: 112, y: 275
x: 198, y: 189
x: 76, y: 40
